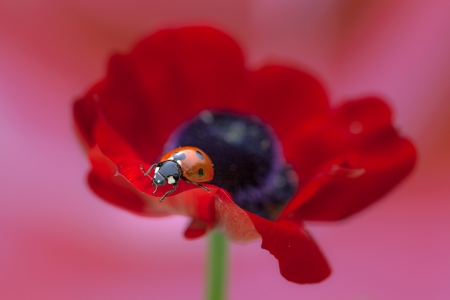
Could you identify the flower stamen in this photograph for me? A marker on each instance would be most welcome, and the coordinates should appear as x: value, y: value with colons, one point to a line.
x: 247, y: 159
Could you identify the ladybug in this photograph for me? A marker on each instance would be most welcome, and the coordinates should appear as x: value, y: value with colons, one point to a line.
x: 188, y: 163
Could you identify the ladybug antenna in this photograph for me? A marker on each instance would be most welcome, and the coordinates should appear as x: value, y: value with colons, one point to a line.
x: 147, y: 173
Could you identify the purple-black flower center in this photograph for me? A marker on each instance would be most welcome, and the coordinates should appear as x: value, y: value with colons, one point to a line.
x: 247, y: 159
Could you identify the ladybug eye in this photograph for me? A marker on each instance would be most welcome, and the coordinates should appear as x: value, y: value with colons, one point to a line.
x: 246, y: 156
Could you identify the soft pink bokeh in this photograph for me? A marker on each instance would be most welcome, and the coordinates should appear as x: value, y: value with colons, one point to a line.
x: 59, y: 241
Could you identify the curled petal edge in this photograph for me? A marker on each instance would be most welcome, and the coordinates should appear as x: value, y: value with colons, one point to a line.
x: 300, y: 259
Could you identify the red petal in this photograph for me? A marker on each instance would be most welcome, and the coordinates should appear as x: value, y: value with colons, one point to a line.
x: 299, y: 257
x: 347, y: 186
x: 364, y: 155
x: 284, y: 97
x: 235, y: 221
x: 197, y: 228
x: 128, y: 109
x: 186, y: 200
x: 345, y: 129
x: 115, y: 189
x: 189, y: 68
x: 167, y: 79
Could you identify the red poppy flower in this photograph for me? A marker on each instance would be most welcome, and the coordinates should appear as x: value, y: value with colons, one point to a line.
x: 281, y: 154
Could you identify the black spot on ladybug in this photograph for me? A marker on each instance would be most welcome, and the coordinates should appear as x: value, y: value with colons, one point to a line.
x: 200, y: 172
x: 199, y: 154
x: 179, y: 156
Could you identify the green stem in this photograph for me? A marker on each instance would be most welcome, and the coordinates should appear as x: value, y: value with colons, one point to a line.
x: 217, y: 267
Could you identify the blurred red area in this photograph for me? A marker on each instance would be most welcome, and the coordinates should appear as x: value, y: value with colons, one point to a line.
x: 60, y: 241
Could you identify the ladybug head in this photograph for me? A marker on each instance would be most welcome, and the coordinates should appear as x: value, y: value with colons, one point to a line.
x: 158, y: 180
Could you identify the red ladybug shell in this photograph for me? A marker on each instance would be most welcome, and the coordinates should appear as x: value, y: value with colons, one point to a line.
x: 196, y: 166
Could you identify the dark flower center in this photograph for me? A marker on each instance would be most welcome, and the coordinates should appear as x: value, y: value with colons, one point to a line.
x: 247, y: 159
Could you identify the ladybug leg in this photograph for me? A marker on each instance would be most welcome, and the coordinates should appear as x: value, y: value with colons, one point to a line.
x: 175, y: 185
x: 198, y: 184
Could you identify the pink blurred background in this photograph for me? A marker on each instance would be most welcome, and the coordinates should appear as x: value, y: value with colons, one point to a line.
x: 59, y: 241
